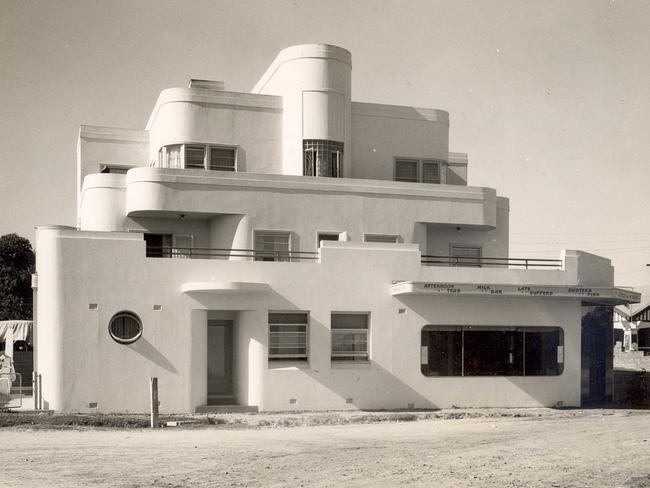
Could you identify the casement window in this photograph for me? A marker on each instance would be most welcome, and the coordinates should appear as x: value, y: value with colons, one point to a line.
x: 322, y: 158
x: 349, y: 336
x: 406, y: 170
x: 198, y: 156
x: 492, y: 351
x: 462, y: 255
x: 272, y: 245
x: 389, y: 238
x: 288, y: 335
x: 420, y: 170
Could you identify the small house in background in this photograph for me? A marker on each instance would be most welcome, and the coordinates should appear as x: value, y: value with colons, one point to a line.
x: 632, y: 333
x: 290, y: 248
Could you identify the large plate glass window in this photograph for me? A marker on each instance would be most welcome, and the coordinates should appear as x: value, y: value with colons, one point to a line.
x: 322, y: 158
x: 349, y: 336
x: 125, y: 327
x: 288, y: 335
x: 492, y: 351
x: 272, y: 246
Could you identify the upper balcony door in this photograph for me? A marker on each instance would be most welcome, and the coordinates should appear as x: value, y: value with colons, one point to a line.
x: 178, y: 246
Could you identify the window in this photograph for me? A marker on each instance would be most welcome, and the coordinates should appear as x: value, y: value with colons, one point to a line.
x: 197, y: 156
x: 115, y: 169
x: 272, y: 246
x: 288, y: 335
x: 380, y: 238
x: 183, y: 244
x: 420, y: 170
x: 492, y: 351
x: 158, y: 245
x: 322, y: 158
x: 406, y: 171
x: 194, y: 157
x: 125, y: 327
x: 327, y: 236
x: 430, y: 172
x: 177, y: 246
x: 465, y: 255
x: 349, y: 336
x: 222, y: 159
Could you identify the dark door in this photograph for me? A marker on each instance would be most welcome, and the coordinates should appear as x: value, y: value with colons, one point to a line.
x: 220, y: 362
x: 597, y: 354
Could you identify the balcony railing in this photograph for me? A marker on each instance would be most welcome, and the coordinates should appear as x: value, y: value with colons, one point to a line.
x: 222, y: 253
x: 476, y: 262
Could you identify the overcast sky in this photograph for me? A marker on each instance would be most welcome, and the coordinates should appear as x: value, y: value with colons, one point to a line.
x: 549, y: 98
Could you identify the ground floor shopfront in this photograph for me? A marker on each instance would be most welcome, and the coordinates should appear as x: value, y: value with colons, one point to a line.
x: 366, y: 326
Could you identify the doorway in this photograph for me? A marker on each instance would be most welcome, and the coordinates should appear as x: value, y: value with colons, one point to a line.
x: 220, y: 362
x: 596, y: 354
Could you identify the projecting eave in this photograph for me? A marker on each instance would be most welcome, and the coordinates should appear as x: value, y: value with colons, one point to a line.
x: 157, y: 191
x: 229, y: 287
x: 595, y: 295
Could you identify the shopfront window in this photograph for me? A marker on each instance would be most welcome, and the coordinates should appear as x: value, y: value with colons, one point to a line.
x: 492, y: 351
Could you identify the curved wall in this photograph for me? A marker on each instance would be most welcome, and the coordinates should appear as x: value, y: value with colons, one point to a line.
x: 103, y: 199
x: 314, y: 81
x: 252, y: 123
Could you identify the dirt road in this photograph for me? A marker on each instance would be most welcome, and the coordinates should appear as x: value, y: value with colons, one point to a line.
x: 590, y: 449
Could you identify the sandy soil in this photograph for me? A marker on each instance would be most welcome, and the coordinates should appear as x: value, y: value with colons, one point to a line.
x: 592, y: 448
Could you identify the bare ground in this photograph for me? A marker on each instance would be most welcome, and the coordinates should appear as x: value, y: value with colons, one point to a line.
x: 582, y: 448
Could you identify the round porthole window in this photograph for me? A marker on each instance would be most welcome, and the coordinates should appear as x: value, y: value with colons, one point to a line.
x: 125, y: 327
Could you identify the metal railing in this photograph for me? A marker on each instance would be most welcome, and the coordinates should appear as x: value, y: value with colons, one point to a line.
x: 223, y: 253
x: 476, y: 262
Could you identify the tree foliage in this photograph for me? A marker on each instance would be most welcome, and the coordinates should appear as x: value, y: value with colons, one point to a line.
x: 16, y: 267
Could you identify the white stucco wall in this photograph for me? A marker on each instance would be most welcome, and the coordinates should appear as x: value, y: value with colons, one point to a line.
x: 302, y: 205
x: 81, y: 364
x: 98, y: 146
x: 252, y: 123
x: 314, y: 81
x: 382, y: 133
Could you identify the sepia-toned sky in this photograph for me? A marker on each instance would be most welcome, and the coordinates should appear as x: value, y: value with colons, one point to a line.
x: 549, y: 98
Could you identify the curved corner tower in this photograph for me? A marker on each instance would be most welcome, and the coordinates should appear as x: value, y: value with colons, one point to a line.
x: 314, y: 81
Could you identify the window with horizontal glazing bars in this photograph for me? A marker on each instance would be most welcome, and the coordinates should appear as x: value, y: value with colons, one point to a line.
x: 198, y: 156
x: 420, y: 170
x: 272, y: 246
x: 288, y: 335
x: 349, y: 336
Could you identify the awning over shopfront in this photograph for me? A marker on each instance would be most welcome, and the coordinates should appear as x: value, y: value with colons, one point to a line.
x: 595, y: 295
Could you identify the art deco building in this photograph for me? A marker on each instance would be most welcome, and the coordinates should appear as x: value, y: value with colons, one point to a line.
x: 289, y: 248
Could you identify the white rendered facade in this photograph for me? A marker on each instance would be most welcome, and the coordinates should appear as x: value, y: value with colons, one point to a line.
x: 242, y: 211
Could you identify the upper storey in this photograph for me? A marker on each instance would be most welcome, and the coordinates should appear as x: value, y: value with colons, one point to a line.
x: 298, y: 120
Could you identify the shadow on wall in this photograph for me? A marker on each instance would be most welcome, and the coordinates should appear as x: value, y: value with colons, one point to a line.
x: 362, y: 385
x: 143, y: 347
x: 541, y: 390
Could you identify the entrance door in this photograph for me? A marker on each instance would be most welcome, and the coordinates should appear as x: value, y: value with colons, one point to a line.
x: 220, y: 357
x: 597, y: 354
